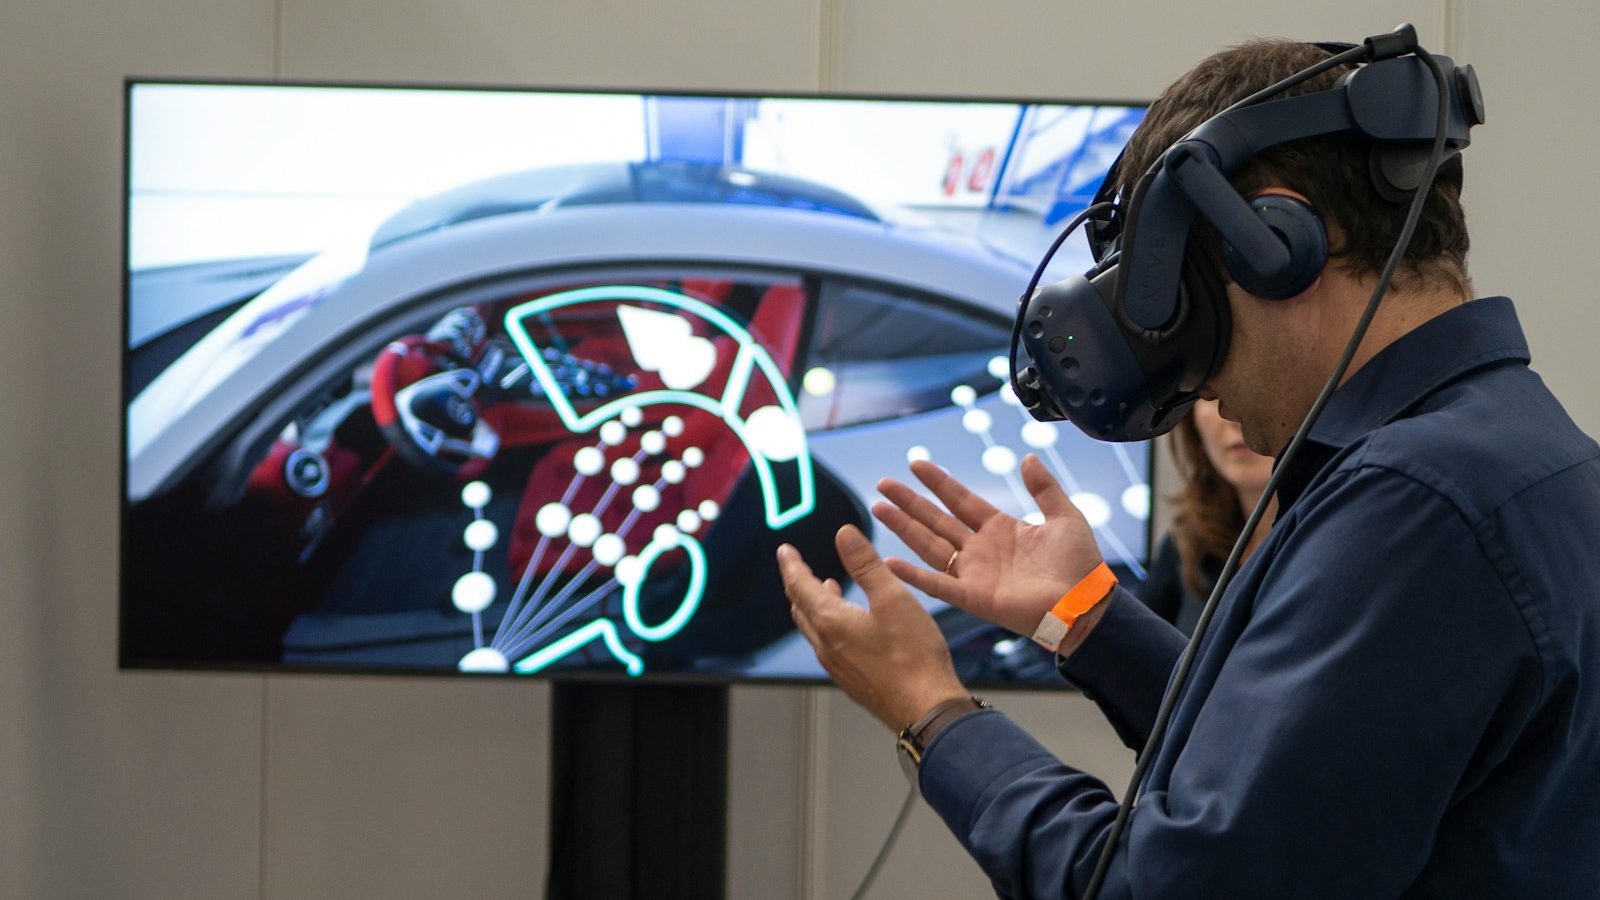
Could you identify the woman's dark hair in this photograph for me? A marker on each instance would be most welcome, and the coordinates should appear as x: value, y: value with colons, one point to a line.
x: 1207, y: 517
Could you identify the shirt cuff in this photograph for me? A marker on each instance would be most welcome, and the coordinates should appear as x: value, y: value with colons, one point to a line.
x: 1124, y: 663
x: 972, y: 757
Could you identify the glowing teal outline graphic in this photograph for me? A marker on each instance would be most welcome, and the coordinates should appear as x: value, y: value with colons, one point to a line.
x: 691, y: 597
x: 604, y: 629
x: 750, y: 356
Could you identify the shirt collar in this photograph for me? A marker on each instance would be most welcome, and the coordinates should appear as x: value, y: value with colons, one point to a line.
x: 1463, y: 339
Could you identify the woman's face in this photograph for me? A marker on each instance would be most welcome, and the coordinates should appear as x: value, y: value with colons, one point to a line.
x: 1224, y: 444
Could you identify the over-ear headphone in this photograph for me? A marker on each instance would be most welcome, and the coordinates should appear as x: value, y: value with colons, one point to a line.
x: 1300, y: 229
x: 1122, y: 349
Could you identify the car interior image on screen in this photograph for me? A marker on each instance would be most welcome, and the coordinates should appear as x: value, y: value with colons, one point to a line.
x: 536, y: 382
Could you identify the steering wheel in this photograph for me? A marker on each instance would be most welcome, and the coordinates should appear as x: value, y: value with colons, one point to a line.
x: 427, y: 410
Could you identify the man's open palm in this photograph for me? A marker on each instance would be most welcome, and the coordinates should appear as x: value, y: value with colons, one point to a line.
x: 1004, y: 570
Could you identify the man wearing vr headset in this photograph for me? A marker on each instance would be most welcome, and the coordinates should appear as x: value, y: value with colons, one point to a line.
x: 1400, y: 693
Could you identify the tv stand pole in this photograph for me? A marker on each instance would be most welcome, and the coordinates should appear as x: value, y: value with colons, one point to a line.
x: 638, y: 791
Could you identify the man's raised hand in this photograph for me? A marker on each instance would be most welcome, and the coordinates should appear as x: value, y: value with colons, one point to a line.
x: 997, y: 567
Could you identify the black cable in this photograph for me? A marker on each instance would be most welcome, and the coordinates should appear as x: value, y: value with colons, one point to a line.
x: 1181, y: 674
x: 888, y: 844
x: 1090, y: 212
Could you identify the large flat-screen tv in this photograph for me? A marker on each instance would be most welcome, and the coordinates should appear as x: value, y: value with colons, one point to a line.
x: 503, y: 381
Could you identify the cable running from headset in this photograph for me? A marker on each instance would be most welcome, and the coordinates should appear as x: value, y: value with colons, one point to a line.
x: 1403, y: 43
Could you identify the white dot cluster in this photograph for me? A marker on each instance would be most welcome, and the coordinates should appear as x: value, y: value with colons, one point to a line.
x: 999, y: 460
x: 1093, y: 506
x: 1040, y: 435
x: 624, y: 471
x: 484, y: 659
x: 589, y: 461
x: 646, y: 498
x: 629, y: 570
x: 584, y: 529
x: 473, y: 592
x: 608, y: 549
x: 481, y: 535
x: 819, y: 381
x: 977, y: 421
x: 552, y: 519
x: 476, y: 495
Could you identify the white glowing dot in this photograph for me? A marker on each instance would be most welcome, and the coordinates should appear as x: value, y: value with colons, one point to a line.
x: 693, y: 457
x: 818, y: 382
x: 589, y: 461
x: 552, y: 519
x: 1136, y: 500
x: 977, y: 420
x: 584, y: 530
x: 624, y: 470
x: 608, y: 548
x: 775, y: 434
x: 476, y: 495
x: 653, y: 442
x: 665, y: 533
x: 1008, y: 396
x: 672, y: 471
x: 1040, y: 435
x: 613, y: 432
x: 481, y: 535
x: 1034, y: 518
x: 709, y: 510
x: 918, y: 453
x: 473, y: 592
x: 999, y: 460
x: 646, y: 498
x: 963, y: 395
x: 631, y: 417
x: 628, y: 570
x: 1093, y: 506
x: 688, y: 521
x: 673, y: 426
x: 484, y: 659
x: 1000, y: 367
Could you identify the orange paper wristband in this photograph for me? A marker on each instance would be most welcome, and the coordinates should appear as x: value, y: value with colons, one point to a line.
x: 1085, y: 594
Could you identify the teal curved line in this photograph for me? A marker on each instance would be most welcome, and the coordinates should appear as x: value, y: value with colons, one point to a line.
x: 691, y: 598
x: 749, y: 349
x: 604, y: 629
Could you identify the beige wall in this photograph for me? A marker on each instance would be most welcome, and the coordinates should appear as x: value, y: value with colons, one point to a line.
x: 147, y: 785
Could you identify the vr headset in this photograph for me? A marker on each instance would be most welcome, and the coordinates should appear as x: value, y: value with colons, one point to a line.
x: 1122, y: 349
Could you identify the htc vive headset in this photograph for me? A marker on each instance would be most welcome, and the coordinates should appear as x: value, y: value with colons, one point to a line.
x: 1122, y: 349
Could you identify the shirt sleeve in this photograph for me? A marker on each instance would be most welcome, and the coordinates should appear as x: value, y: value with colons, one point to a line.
x: 1381, y: 661
x: 1123, y: 666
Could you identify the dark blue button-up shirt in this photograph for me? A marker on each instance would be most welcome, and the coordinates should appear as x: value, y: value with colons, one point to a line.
x: 1399, y: 695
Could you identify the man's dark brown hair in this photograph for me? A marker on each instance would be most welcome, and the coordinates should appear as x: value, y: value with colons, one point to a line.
x: 1332, y: 172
